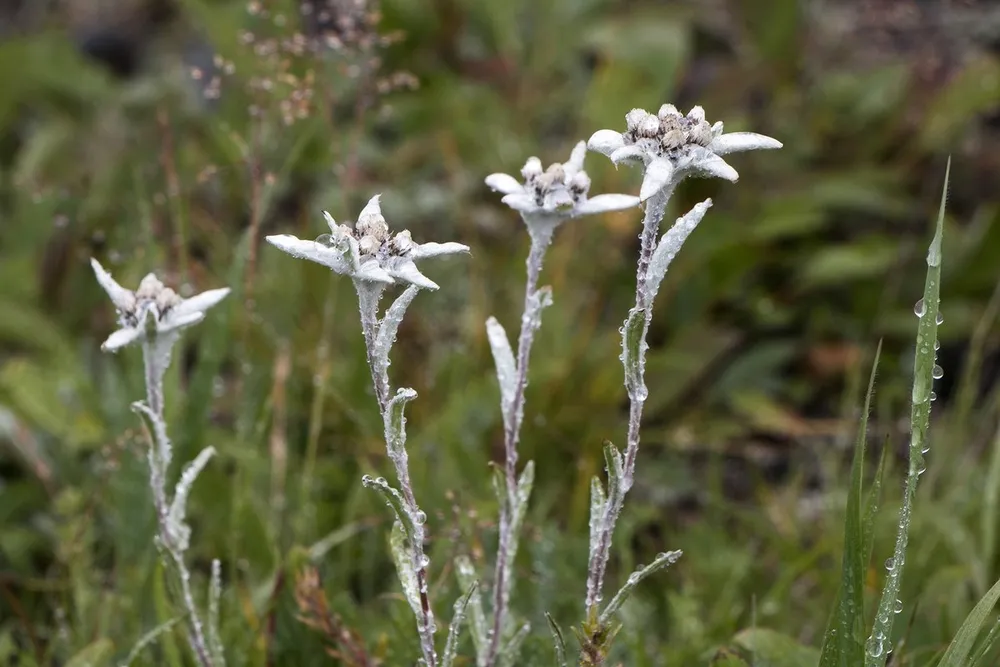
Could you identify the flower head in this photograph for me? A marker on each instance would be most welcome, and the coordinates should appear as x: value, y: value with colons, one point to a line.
x: 152, y: 309
x: 671, y: 146
x: 368, y: 252
x: 556, y: 193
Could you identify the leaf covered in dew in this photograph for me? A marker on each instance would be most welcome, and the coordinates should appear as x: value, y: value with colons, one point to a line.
x: 662, y: 560
x: 925, y: 371
x: 455, y: 628
x: 395, y: 423
x: 632, y: 353
x: 394, y: 499
x: 388, y: 327
x: 506, y: 367
x: 176, y: 515
x: 407, y: 573
x: 466, y: 574
x: 670, y: 244
x: 598, y: 504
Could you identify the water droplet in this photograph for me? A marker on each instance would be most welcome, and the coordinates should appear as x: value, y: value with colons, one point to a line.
x: 874, y: 647
x: 919, y: 308
x: 890, y: 564
x: 380, y: 481
x: 425, y: 561
x: 898, y: 606
x: 938, y: 372
x: 366, y: 479
x: 940, y: 318
x: 933, y: 397
x: 937, y: 345
x: 419, y: 517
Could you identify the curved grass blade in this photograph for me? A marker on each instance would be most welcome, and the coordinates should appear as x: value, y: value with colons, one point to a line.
x: 924, y: 372
x: 843, y: 645
x: 558, y: 641
x: 958, y: 651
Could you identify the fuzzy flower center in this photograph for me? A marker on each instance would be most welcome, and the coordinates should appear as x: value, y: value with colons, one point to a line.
x: 560, y: 186
x: 374, y: 238
x: 667, y: 131
x: 152, y: 296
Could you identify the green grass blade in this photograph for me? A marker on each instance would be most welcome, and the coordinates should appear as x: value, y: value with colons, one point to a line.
x: 924, y: 372
x: 958, y: 651
x: 871, y: 509
x: 843, y: 643
x: 991, y: 503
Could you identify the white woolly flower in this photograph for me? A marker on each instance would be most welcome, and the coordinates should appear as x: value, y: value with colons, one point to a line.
x: 557, y: 193
x: 368, y: 252
x: 672, y: 146
x: 151, y: 309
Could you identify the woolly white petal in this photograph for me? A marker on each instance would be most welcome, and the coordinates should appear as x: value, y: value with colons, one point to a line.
x: 122, y: 298
x: 736, y: 142
x: 629, y: 154
x: 716, y: 166
x: 504, y: 183
x: 332, y: 224
x: 121, y: 338
x: 315, y: 252
x: 606, y: 142
x: 521, y: 202
x: 404, y: 270
x: 658, y: 174
x: 370, y: 271
x: 199, y: 303
x: 576, y: 158
x: 606, y: 203
x: 371, y: 209
x: 173, y: 320
x: 424, y: 250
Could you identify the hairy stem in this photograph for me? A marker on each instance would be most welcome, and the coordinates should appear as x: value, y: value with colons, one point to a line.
x: 655, y: 208
x: 540, y: 240
x: 156, y: 358
x: 368, y: 298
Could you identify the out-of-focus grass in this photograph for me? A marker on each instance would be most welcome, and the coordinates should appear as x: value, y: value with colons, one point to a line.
x: 762, y: 333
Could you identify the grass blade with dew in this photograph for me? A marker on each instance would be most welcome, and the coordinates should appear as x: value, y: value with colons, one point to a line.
x: 958, y: 651
x: 925, y: 371
x: 843, y: 644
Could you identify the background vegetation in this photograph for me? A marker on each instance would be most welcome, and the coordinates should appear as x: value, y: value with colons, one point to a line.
x: 172, y: 141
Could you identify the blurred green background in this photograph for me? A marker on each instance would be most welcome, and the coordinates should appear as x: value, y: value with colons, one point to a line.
x: 172, y: 135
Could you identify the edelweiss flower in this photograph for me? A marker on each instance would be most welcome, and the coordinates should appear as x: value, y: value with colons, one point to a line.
x: 557, y: 193
x: 672, y: 146
x: 368, y: 252
x: 152, y: 309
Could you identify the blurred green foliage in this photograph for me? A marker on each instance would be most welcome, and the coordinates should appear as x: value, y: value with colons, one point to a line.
x: 761, y: 340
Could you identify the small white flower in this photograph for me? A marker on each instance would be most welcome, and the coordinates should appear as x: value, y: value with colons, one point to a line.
x: 672, y: 146
x: 152, y: 309
x: 368, y: 252
x: 557, y: 193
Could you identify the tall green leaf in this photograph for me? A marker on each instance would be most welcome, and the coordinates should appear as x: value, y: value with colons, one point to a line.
x: 843, y: 645
x: 925, y: 371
